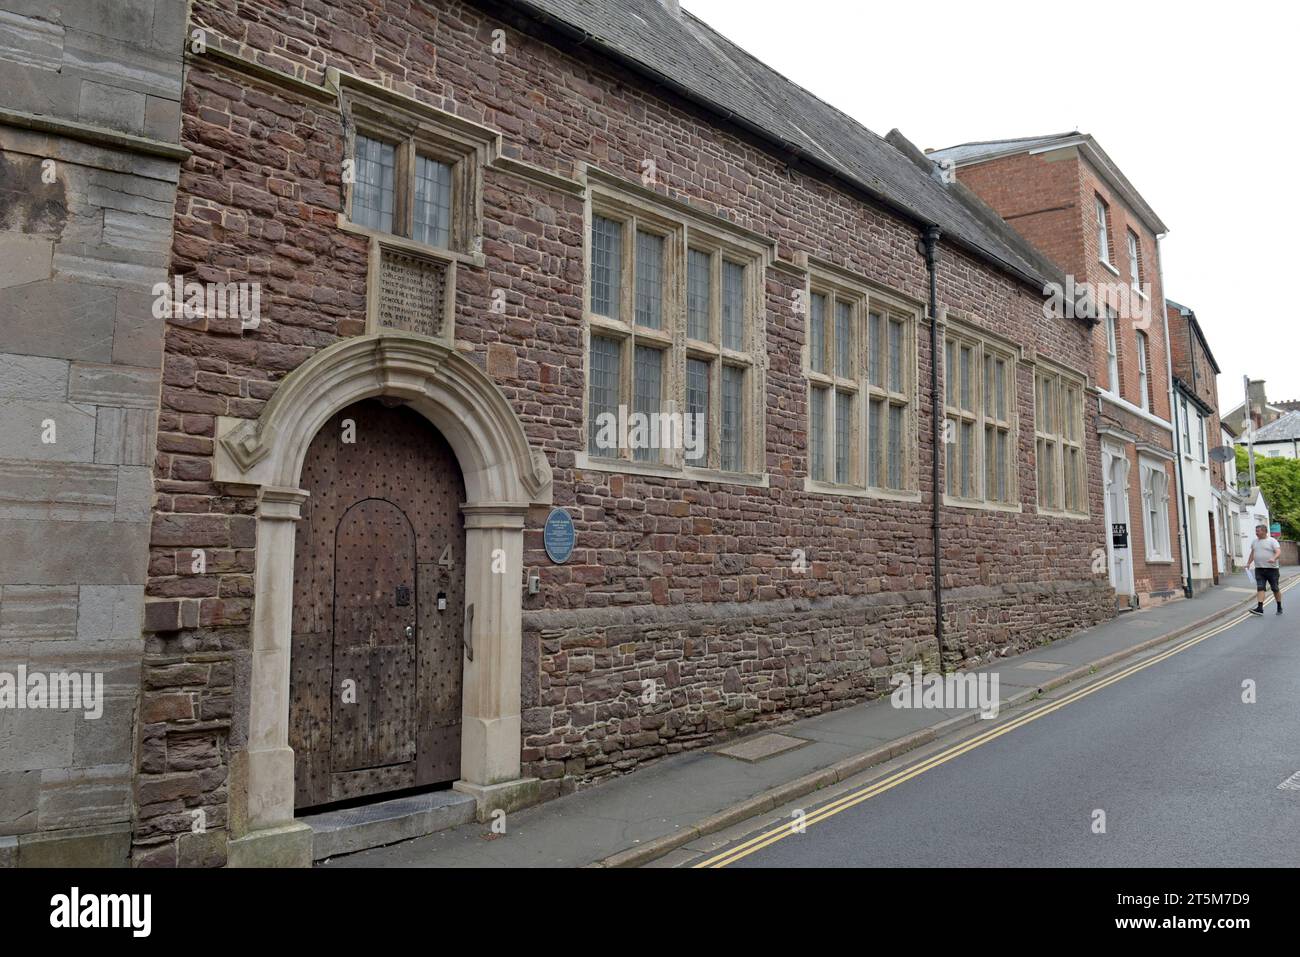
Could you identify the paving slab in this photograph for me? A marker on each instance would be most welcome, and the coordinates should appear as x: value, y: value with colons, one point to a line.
x: 760, y: 747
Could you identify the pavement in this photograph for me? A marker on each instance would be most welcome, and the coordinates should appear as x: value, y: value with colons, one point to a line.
x: 685, y: 807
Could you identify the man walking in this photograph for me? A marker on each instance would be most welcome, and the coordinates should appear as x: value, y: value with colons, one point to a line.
x: 1264, y: 553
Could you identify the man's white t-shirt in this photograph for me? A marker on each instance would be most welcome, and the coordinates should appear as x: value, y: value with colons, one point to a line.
x: 1265, y: 552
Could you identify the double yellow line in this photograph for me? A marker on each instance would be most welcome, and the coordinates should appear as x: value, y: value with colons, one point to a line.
x: 754, y: 844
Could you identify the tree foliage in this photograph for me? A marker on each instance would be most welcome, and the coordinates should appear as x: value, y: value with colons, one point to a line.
x: 1279, y: 480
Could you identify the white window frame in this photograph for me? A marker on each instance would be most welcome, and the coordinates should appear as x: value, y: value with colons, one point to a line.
x: 1054, y: 440
x: 636, y: 210
x: 1103, y: 231
x: 1144, y: 361
x: 1159, y: 546
x: 1185, y: 426
x: 979, y: 417
x: 1112, y: 351
x: 1134, y: 261
x: 824, y: 384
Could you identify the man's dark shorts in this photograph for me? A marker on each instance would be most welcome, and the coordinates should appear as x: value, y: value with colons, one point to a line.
x: 1266, y: 578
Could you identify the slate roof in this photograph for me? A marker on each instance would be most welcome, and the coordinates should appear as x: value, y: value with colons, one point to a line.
x: 1284, y: 429
x: 684, y: 54
x: 968, y: 153
x: 987, y: 149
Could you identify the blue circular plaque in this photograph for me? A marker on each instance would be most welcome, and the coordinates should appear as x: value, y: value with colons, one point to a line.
x: 559, y: 536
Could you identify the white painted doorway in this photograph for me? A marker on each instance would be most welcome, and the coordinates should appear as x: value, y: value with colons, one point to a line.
x: 1119, y: 529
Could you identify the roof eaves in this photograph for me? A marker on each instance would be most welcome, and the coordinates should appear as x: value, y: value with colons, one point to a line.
x: 1196, y: 327
x: 1113, y: 175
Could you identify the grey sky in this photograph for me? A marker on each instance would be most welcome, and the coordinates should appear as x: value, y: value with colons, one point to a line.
x: 1196, y: 103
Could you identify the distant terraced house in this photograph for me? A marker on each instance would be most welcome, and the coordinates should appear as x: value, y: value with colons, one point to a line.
x: 475, y: 228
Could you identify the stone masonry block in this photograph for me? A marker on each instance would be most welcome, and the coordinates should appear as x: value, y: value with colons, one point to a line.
x: 93, y: 553
x: 113, y: 385
x: 33, y: 377
x: 110, y: 612
x: 34, y: 43
x: 58, y: 491
x: 111, y: 106
x: 38, y: 612
x: 24, y: 259
x: 124, y: 436
x: 73, y: 797
x: 71, y: 320
x: 46, y: 431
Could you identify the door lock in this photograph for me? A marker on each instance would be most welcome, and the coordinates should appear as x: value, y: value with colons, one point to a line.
x: 410, y: 631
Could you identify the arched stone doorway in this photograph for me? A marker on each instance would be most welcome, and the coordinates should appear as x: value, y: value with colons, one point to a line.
x: 502, y: 476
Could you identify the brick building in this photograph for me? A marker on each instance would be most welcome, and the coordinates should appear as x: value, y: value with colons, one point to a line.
x: 479, y: 233
x: 1068, y: 198
x: 1206, y: 529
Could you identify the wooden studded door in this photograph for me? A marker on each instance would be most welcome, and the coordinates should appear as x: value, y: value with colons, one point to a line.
x: 379, y: 591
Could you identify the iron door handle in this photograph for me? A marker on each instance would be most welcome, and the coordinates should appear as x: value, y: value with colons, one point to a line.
x: 469, y: 632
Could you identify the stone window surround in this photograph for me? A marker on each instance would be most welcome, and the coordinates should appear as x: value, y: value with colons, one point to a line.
x: 825, y: 277
x: 503, y: 476
x: 1066, y: 375
x: 1014, y: 353
x: 417, y: 128
x: 683, y: 227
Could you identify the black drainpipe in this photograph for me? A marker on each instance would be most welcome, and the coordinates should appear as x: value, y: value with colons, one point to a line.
x: 929, y: 244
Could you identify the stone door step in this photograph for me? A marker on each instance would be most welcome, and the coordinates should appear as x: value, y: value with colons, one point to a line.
x: 386, y: 822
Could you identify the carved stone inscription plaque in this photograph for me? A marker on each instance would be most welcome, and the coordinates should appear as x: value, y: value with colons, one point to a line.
x: 411, y: 291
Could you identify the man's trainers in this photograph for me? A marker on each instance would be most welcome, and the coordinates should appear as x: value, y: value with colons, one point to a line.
x: 1257, y: 611
x: 1279, y: 609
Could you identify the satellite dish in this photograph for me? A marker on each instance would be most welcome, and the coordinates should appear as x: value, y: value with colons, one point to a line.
x: 1223, y: 453
x: 1243, y: 478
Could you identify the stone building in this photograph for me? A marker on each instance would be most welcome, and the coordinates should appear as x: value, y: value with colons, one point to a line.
x: 1067, y: 197
x: 1209, y: 541
x: 89, y: 159
x: 480, y: 238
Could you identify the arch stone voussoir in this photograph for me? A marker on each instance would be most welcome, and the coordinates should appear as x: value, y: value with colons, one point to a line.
x: 503, y: 476
x: 436, y: 380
